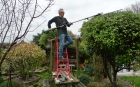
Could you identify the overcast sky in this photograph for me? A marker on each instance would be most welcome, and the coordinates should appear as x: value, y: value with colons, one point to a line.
x: 78, y: 9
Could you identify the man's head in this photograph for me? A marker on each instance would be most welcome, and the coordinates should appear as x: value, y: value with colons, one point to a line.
x: 61, y: 12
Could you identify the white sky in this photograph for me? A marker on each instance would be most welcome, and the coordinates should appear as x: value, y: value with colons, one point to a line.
x: 76, y: 10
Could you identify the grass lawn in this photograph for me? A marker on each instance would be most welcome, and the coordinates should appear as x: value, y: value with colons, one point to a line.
x: 133, y: 79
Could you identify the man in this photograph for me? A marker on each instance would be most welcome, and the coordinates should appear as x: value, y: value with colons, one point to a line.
x: 61, y: 24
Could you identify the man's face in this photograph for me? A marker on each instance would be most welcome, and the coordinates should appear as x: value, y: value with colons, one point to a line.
x: 61, y: 13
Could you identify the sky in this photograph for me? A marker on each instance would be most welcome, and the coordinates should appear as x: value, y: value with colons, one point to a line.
x: 76, y: 10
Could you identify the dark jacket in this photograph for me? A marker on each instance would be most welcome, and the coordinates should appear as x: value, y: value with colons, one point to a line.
x: 59, y: 21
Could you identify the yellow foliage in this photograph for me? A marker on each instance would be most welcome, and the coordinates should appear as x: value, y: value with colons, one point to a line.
x: 86, y: 61
x: 26, y: 54
x: 23, y: 50
x: 98, y: 63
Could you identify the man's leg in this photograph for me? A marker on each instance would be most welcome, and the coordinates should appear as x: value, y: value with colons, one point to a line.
x: 69, y: 40
x: 61, y: 44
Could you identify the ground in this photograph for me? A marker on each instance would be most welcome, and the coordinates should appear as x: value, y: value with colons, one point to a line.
x: 36, y: 79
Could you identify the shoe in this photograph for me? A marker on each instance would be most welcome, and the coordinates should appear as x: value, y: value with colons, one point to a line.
x: 62, y: 58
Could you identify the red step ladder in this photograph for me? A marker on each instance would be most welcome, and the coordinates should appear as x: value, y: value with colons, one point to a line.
x: 61, y: 65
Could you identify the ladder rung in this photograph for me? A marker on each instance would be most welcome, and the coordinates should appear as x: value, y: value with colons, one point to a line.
x: 59, y: 69
x: 63, y: 64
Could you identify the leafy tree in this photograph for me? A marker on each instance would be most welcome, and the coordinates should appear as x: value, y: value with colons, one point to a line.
x: 44, y: 39
x: 116, y: 37
x: 26, y: 57
x: 136, y: 63
x: 84, y: 54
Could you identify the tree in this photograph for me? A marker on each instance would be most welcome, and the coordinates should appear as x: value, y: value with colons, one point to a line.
x: 26, y: 57
x: 116, y: 37
x: 36, y: 38
x: 16, y: 20
x: 134, y: 8
x: 44, y: 39
x: 84, y: 54
x: 136, y: 63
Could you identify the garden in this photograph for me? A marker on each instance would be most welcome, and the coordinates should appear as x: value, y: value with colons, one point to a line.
x: 107, y: 44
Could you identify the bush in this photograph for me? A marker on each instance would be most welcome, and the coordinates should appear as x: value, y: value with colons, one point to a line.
x: 85, y: 79
x: 26, y: 58
x: 107, y: 85
x: 120, y: 85
x: 98, y: 77
x: 1, y: 80
x: 98, y: 67
x: 37, y: 85
x: 5, y: 83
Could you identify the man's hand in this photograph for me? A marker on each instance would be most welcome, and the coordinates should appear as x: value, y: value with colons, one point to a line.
x: 70, y: 23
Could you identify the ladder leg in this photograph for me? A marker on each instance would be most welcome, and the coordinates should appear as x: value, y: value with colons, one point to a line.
x: 61, y: 62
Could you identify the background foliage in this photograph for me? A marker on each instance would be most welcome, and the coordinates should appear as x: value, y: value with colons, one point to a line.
x: 115, y: 36
x: 26, y: 57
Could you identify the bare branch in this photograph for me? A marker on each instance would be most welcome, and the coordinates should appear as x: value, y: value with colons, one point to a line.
x: 50, y: 4
x: 134, y: 8
x: 38, y: 26
x: 16, y: 17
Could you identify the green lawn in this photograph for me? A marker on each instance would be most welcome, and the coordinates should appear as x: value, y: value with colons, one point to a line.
x: 134, y: 79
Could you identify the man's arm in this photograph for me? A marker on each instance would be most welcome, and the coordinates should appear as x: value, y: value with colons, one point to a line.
x: 50, y: 22
x: 68, y: 23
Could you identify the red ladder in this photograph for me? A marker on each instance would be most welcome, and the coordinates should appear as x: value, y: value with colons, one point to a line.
x: 61, y: 65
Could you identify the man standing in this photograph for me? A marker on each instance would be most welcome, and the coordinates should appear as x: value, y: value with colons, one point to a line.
x: 61, y: 24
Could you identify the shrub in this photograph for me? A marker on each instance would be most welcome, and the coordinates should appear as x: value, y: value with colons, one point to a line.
x: 107, y: 85
x: 13, y: 83
x: 85, y: 79
x: 98, y: 67
x: 26, y: 58
x: 118, y: 85
x: 1, y: 80
x: 37, y: 85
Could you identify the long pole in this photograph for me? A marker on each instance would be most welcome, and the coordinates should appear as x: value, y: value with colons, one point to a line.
x: 88, y: 17
x: 47, y: 31
x: 99, y: 14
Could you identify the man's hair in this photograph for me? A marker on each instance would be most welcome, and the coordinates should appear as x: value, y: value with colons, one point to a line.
x: 60, y: 10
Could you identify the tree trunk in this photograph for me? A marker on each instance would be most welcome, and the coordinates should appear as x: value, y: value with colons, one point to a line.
x: 107, y: 70
x: 114, y: 78
x: 5, y: 54
x: 111, y: 79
